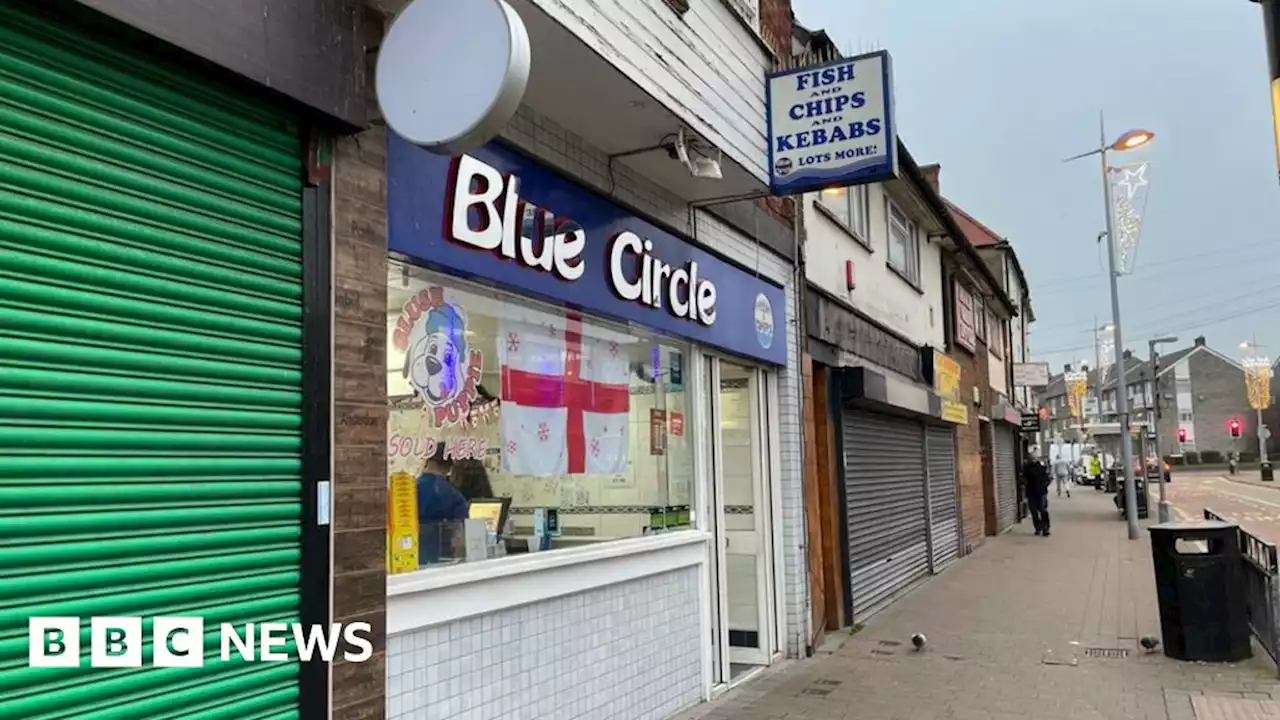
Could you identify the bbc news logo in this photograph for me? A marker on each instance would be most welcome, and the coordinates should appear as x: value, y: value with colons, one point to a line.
x: 116, y: 642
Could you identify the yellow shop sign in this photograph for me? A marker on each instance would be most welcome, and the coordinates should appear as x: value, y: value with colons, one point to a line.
x: 946, y: 384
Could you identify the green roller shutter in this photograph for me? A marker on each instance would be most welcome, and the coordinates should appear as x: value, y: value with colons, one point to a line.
x: 150, y: 370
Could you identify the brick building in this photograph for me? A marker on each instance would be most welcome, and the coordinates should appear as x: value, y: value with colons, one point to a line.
x: 989, y: 316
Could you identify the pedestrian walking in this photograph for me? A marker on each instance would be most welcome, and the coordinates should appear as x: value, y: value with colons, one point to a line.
x: 1035, y: 477
x: 1062, y: 475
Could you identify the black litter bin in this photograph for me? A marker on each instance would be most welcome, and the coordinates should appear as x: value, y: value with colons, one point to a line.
x: 1200, y: 587
x: 1268, y: 475
x: 1141, y: 493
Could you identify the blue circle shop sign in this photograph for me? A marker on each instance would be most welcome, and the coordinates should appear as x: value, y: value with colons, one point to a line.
x: 495, y: 215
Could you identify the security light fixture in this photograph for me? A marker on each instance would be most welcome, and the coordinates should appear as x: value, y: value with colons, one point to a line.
x: 696, y: 160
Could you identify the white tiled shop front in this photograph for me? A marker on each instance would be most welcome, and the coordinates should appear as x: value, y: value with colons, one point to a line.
x: 626, y: 651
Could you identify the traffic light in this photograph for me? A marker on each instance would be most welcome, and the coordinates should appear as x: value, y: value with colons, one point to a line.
x: 1182, y: 435
x: 1235, y: 429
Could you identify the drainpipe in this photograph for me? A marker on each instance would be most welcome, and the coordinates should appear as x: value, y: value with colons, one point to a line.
x: 805, y: 639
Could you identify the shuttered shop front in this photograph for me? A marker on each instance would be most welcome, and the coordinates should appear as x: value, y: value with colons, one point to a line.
x: 150, y: 371
x: 944, y: 517
x: 885, y: 508
x: 1006, y: 478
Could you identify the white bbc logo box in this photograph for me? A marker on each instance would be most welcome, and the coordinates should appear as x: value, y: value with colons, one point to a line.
x: 115, y: 642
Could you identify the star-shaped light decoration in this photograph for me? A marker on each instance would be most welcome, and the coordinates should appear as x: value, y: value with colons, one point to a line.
x: 1132, y: 178
x: 1128, y: 205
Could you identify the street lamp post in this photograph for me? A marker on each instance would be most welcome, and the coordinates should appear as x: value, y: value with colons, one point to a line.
x: 1271, y: 26
x: 1155, y: 396
x: 1128, y: 141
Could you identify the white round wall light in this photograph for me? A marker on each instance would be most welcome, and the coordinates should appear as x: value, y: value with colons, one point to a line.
x: 451, y: 74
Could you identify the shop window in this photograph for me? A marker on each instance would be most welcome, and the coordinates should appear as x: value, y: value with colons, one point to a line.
x: 520, y: 427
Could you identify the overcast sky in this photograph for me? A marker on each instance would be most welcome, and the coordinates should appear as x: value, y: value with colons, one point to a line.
x: 1000, y: 91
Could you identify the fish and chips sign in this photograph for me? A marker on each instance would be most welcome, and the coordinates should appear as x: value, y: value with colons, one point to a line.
x: 831, y: 125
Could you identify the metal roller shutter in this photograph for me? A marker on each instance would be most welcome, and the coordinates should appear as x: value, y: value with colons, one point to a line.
x: 944, y: 518
x: 1006, y: 479
x: 885, y: 508
x: 150, y: 371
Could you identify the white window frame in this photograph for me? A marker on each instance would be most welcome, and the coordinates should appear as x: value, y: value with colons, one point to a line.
x: 852, y: 211
x: 911, y: 232
x: 995, y: 335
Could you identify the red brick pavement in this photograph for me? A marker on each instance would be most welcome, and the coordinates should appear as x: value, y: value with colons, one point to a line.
x: 1009, y: 630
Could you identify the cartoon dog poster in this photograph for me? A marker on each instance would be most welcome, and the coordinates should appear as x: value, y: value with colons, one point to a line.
x: 439, y: 363
x: 434, y: 362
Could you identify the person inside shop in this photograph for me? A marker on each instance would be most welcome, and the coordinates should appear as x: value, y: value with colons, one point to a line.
x: 471, y: 479
x: 441, y: 508
x: 1035, y: 477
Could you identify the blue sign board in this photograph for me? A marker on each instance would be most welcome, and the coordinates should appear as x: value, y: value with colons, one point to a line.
x: 831, y: 125
x: 494, y: 215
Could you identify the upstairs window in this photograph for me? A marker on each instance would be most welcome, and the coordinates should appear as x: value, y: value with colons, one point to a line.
x: 849, y: 206
x: 904, y: 245
x: 995, y: 339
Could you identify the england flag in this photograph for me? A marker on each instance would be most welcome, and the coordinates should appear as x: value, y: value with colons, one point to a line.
x: 565, y: 396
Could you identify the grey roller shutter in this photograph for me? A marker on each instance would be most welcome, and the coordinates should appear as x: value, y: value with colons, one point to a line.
x: 944, y: 520
x: 1006, y: 480
x: 885, y: 508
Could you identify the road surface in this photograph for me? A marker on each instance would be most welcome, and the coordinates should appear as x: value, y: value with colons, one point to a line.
x: 1255, y: 507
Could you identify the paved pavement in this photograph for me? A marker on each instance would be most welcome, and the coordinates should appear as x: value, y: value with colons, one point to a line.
x: 1026, y: 627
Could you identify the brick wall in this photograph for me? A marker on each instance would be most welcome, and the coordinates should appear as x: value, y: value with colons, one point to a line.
x: 775, y: 29
x: 775, y: 26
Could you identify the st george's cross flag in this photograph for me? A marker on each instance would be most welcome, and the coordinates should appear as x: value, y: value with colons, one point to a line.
x: 565, y: 397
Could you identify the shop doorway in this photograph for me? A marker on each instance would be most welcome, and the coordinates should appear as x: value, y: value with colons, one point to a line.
x: 741, y: 500
x: 990, y: 500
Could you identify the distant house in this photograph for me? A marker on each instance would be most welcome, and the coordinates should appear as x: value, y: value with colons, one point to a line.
x: 1200, y: 392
